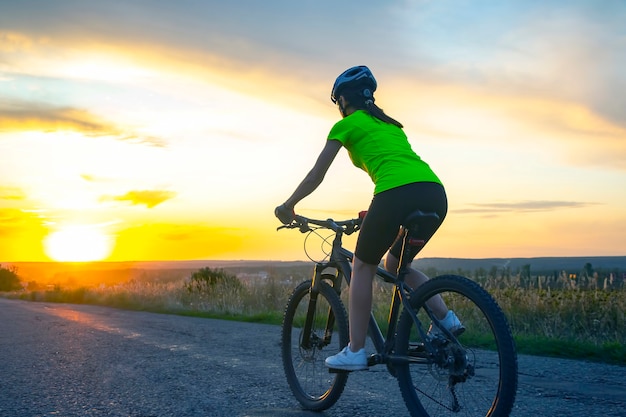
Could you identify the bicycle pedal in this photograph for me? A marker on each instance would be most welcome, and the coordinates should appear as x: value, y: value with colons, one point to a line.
x: 417, y: 348
x: 374, y: 359
x: 458, y: 332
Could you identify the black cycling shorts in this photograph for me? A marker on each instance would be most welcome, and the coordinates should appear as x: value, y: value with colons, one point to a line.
x: 387, y: 211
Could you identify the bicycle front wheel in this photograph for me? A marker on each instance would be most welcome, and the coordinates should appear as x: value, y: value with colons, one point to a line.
x: 304, y: 351
x: 473, y: 376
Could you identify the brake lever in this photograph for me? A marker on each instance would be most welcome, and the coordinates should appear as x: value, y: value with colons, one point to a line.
x: 291, y: 225
x: 304, y: 227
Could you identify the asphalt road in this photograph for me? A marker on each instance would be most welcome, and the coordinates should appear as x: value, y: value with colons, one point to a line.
x: 76, y: 360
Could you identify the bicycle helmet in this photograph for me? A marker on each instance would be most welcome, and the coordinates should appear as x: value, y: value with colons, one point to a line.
x: 355, y: 76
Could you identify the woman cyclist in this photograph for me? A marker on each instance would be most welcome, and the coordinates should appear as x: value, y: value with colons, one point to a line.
x: 403, y: 183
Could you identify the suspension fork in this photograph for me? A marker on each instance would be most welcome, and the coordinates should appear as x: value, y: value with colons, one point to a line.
x: 307, y: 331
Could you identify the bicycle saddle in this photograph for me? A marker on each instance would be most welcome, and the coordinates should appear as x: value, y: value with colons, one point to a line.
x: 419, y: 218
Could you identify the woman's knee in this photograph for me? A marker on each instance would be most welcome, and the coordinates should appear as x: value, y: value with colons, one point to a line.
x: 361, y: 268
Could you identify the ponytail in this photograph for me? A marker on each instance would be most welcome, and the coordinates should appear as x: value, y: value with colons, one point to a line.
x: 373, y: 110
x: 360, y: 101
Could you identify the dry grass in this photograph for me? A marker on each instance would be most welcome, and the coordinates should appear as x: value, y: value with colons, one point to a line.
x: 574, y: 322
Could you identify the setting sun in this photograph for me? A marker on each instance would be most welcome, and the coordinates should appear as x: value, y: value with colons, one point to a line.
x: 78, y: 244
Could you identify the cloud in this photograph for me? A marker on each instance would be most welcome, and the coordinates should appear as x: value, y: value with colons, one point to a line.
x: 13, y: 41
x: 585, y: 137
x: 219, y: 26
x: 565, y: 51
x: 19, y: 116
x: 9, y: 216
x: 213, y: 40
x: 572, y: 131
x: 580, y: 54
x: 90, y: 178
x: 12, y: 220
x: 475, y: 41
x: 11, y: 193
x: 149, y: 198
x: 522, y: 207
x: 35, y: 116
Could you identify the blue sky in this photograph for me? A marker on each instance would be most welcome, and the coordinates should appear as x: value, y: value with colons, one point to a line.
x: 184, y: 123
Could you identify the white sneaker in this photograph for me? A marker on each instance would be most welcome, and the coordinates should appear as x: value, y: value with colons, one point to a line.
x: 347, y: 360
x: 451, y: 322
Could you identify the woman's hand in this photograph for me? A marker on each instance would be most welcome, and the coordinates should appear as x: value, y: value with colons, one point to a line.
x: 285, y: 214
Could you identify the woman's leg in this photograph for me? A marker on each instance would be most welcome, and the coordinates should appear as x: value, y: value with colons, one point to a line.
x: 414, y: 279
x: 360, y: 304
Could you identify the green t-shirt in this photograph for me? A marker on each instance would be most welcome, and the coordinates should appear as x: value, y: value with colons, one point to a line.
x: 382, y: 150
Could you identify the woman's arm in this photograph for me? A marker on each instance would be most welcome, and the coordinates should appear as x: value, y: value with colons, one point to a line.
x: 314, y: 178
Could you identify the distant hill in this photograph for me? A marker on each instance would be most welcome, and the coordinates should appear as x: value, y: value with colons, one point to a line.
x: 546, y: 264
x: 442, y: 264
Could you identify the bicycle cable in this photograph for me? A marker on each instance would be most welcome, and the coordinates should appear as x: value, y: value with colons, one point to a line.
x: 326, y: 242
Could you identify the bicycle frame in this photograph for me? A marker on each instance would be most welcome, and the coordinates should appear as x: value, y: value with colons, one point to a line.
x: 340, y: 260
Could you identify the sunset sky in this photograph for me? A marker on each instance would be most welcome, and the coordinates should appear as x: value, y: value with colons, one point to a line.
x: 169, y: 130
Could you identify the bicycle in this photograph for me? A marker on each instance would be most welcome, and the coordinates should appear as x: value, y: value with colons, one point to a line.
x: 439, y: 373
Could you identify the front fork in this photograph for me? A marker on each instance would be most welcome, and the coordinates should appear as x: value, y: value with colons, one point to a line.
x: 307, y: 331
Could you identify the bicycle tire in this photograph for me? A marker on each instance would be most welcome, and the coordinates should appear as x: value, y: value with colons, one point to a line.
x: 486, y: 359
x: 308, y: 377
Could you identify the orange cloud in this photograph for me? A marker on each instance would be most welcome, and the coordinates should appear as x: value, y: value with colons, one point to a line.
x: 587, y: 137
x: 14, y: 219
x: 8, y: 217
x: 11, y: 193
x: 12, y: 41
x: 580, y: 135
x: 149, y: 198
x: 16, y: 116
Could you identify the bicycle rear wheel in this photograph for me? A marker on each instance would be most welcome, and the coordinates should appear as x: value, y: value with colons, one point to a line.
x: 476, y: 376
x: 307, y: 375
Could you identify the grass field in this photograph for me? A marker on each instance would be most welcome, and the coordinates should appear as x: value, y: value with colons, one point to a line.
x: 554, y: 320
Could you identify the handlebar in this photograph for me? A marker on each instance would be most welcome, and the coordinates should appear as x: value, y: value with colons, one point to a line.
x: 343, y: 226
